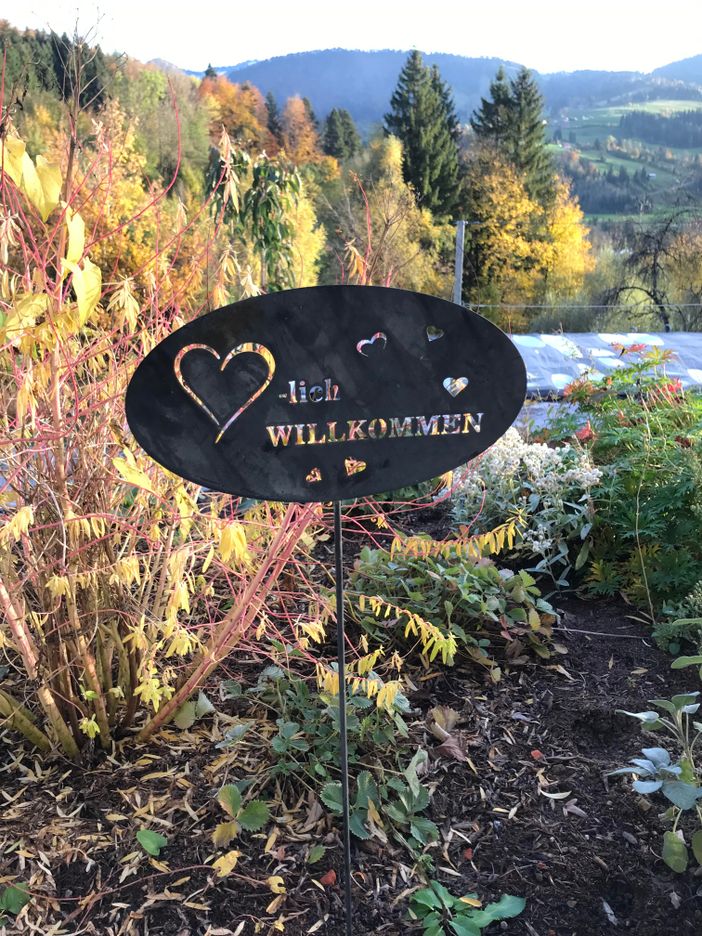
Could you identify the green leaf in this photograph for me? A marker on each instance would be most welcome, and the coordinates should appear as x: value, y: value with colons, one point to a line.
x: 203, y: 706
x: 185, y: 716
x: 684, y: 661
x: 582, y: 556
x: 229, y: 798
x: 357, y: 824
x: 317, y: 852
x: 463, y: 926
x: 424, y: 830
x: 683, y: 795
x: 254, y: 815
x: 232, y: 689
x: 505, y: 908
x: 426, y: 898
x: 696, y: 843
x: 367, y: 790
x: 13, y: 898
x: 674, y: 852
x: 151, y: 841
x: 331, y: 797
x: 444, y: 895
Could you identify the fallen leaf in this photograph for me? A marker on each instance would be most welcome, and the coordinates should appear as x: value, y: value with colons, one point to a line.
x: 555, y: 796
x: 226, y: 864
x: 276, y: 884
x: 451, y: 749
x: 328, y: 879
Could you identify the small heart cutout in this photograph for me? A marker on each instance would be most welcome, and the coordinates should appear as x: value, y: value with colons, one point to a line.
x: 353, y: 466
x: 434, y: 333
x: 456, y: 385
x: 314, y: 475
x: 224, y: 422
x: 365, y: 344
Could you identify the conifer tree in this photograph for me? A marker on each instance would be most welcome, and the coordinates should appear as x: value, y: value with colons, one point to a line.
x: 341, y: 138
x: 351, y: 135
x: 274, y: 122
x: 423, y: 118
x: 511, y: 120
x: 528, y: 138
x: 210, y: 72
x: 492, y: 119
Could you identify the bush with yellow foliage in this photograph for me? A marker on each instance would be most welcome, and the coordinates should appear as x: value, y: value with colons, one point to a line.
x: 115, y: 576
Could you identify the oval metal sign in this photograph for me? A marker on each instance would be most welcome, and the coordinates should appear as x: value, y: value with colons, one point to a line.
x: 325, y: 393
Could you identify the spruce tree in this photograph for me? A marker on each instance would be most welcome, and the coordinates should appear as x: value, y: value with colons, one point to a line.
x: 352, y: 140
x: 491, y: 121
x: 528, y: 138
x: 511, y: 120
x: 423, y: 118
x: 210, y: 72
x: 274, y: 122
x: 341, y: 138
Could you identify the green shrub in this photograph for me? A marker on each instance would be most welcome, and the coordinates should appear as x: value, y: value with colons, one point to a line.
x: 645, y: 434
x: 447, y: 604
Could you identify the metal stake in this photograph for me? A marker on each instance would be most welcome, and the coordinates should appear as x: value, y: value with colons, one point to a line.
x: 458, y: 265
x: 343, y: 740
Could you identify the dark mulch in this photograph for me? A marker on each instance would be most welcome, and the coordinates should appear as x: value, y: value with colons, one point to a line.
x: 588, y: 863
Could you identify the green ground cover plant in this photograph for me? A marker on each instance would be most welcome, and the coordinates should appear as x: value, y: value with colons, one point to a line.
x: 448, y: 604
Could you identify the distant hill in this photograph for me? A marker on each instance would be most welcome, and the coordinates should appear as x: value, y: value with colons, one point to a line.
x: 688, y: 70
x: 362, y: 82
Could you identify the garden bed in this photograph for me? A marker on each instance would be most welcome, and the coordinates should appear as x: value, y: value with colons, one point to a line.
x: 588, y: 862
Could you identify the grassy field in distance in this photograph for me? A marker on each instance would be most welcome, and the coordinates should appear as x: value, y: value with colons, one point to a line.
x: 582, y: 128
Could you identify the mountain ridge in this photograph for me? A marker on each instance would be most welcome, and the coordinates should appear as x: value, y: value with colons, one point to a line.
x: 362, y: 82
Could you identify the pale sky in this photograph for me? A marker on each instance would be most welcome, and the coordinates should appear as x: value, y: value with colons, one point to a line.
x: 636, y: 35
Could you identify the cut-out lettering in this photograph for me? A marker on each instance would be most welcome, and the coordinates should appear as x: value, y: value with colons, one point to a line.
x: 313, y: 476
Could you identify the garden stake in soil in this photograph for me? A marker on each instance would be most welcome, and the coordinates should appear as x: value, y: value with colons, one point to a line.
x: 343, y: 740
x: 325, y: 394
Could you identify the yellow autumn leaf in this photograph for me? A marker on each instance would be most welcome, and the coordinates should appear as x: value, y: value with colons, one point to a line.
x: 12, y: 154
x: 276, y: 884
x: 132, y: 474
x: 232, y: 543
x: 87, y: 285
x: 226, y: 864
x: 41, y: 183
x: 23, y: 315
x: 51, y: 183
x: 471, y: 901
x: 224, y: 833
x: 76, y: 236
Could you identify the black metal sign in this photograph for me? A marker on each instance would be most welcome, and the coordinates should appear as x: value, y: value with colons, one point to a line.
x: 325, y: 393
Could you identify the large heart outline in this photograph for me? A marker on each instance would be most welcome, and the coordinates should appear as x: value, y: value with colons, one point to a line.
x: 249, y: 347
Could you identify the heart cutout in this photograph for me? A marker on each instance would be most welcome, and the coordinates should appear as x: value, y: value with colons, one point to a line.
x: 368, y: 343
x: 456, y: 385
x: 223, y: 422
x: 314, y: 475
x: 434, y: 333
x: 353, y: 466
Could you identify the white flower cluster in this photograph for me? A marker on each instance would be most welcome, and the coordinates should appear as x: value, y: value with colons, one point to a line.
x: 549, y: 486
x: 511, y: 461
